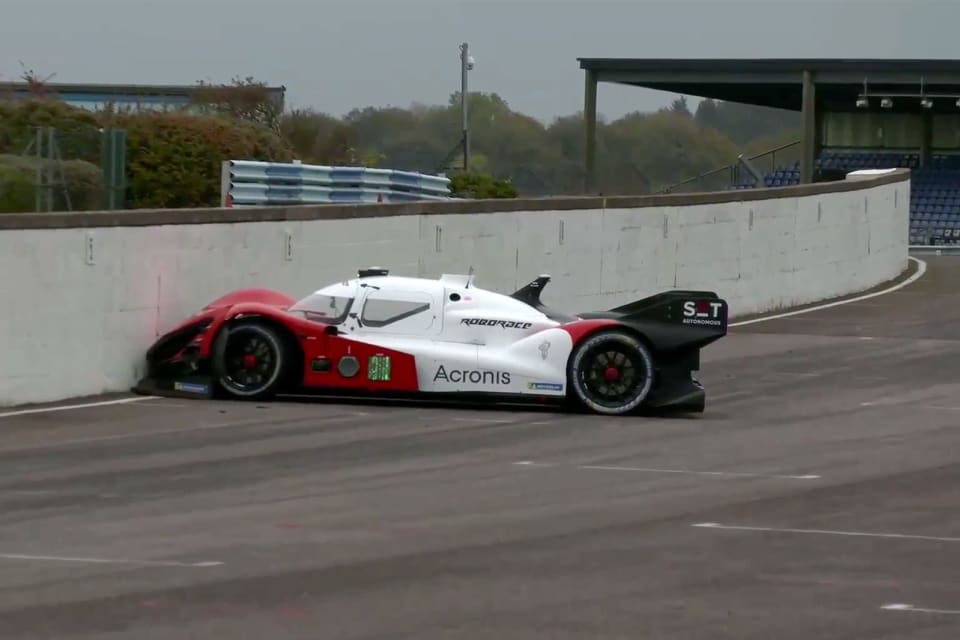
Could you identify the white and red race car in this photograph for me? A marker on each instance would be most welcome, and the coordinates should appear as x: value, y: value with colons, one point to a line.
x: 387, y: 336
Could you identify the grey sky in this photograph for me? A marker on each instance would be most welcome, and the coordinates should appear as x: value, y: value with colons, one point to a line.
x: 337, y: 54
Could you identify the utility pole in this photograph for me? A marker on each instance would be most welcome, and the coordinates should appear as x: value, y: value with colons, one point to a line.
x: 466, y: 65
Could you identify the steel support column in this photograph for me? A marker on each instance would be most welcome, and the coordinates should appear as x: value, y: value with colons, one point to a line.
x: 590, y: 132
x: 926, y: 140
x: 809, y: 134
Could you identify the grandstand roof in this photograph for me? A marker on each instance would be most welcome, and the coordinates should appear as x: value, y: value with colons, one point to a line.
x: 779, y: 82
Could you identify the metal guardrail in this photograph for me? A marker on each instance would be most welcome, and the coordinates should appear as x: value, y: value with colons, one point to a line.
x: 245, y: 183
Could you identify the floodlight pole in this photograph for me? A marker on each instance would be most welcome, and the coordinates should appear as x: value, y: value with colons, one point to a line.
x: 465, y: 66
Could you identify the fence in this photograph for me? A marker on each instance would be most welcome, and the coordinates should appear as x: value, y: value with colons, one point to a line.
x: 246, y: 183
x: 77, y: 167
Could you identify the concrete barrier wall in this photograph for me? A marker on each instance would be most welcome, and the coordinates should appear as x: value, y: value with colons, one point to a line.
x: 85, y: 294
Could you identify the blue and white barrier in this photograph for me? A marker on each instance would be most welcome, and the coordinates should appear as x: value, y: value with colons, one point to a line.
x: 246, y: 183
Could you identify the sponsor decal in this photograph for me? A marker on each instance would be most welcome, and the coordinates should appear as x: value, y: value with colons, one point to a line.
x: 472, y: 376
x: 702, y: 312
x: 378, y: 368
x: 191, y: 387
x: 545, y: 386
x: 544, y: 348
x: 489, y: 322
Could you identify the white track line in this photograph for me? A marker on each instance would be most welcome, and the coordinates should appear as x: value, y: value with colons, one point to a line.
x: 914, y: 406
x: 722, y: 474
x: 70, y: 407
x: 910, y: 607
x: 921, y: 269
x: 864, y: 534
x: 146, y: 563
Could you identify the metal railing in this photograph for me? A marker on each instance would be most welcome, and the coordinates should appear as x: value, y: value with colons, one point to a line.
x: 773, y: 159
x: 245, y: 183
x: 746, y: 170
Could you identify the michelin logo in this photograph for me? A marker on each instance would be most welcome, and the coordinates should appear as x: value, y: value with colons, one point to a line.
x: 544, y: 386
x: 191, y: 387
x: 472, y: 376
x: 487, y: 322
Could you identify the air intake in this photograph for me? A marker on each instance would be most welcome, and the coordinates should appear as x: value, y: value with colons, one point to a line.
x: 373, y: 271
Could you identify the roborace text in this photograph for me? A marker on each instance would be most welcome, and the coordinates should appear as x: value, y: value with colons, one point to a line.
x: 475, y: 377
x: 487, y: 322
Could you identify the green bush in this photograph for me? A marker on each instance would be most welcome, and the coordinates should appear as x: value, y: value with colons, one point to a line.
x: 480, y: 187
x: 174, y: 160
x: 18, y: 180
x: 16, y: 190
x: 77, y: 135
x: 86, y: 185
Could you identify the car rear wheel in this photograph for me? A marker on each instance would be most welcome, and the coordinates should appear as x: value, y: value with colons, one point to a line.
x: 251, y: 360
x: 611, y: 372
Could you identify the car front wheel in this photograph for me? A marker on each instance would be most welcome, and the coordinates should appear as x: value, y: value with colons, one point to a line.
x: 611, y: 372
x: 250, y: 360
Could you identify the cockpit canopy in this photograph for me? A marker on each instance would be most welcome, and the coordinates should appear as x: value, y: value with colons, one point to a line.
x: 393, y: 299
x: 326, y: 306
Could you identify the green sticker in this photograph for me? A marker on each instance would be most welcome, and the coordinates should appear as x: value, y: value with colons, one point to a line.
x: 378, y: 368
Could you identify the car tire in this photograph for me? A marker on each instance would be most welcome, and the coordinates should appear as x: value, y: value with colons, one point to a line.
x: 251, y: 361
x: 610, y: 373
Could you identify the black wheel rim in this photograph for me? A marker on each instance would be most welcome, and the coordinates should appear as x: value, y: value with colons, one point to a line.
x: 612, y: 376
x: 249, y: 362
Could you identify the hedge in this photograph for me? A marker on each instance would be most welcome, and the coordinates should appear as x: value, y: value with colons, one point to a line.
x: 78, y: 135
x: 84, y: 184
x: 173, y: 158
x: 480, y: 186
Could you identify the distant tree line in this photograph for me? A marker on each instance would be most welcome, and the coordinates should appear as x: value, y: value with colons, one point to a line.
x: 636, y: 154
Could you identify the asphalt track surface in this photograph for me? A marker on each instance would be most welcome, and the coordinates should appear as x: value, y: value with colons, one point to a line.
x: 825, y: 470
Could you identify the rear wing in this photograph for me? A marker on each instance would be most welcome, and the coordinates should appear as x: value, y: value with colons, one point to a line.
x: 692, y: 308
x: 674, y: 320
x: 678, y: 318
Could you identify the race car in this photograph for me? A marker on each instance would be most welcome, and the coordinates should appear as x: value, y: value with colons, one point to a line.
x: 386, y: 335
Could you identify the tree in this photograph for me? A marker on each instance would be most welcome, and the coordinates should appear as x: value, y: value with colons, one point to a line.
x: 743, y: 123
x: 645, y: 152
x: 679, y: 107
x: 244, y: 99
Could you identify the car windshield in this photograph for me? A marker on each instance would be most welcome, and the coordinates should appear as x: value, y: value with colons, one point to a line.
x: 324, y: 308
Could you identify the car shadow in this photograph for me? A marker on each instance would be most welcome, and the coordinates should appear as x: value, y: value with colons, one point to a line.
x: 482, y: 405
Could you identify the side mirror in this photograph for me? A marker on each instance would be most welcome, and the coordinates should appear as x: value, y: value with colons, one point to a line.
x: 331, y: 330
